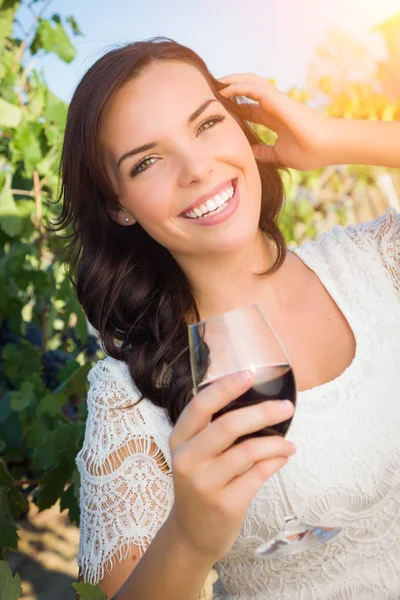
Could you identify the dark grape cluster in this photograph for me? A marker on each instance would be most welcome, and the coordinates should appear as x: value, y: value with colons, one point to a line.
x: 91, y: 346
x: 34, y: 334
x: 52, y: 361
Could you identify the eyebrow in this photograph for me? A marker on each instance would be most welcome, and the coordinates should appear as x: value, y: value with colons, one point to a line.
x: 151, y: 145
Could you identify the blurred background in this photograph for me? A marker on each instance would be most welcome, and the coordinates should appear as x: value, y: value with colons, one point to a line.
x: 341, y: 57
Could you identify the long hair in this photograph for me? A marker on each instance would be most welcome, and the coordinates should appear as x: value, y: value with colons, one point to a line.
x: 132, y: 290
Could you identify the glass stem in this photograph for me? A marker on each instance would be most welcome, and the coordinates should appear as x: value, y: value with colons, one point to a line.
x: 287, y: 507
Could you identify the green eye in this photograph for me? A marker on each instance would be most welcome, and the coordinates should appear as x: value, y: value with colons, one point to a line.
x: 209, y: 123
x: 143, y: 165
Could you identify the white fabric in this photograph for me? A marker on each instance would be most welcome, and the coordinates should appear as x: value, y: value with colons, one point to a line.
x: 346, y: 470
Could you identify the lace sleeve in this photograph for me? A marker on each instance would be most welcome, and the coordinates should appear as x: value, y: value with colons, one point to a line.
x: 383, y: 236
x: 126, y: 488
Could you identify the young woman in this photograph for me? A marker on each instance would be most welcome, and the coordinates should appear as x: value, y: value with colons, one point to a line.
x: 174, y: 207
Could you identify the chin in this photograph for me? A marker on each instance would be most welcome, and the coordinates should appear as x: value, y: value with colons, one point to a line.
x: 236, y: 237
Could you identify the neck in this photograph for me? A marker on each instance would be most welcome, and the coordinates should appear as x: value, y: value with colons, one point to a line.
x: 227, y: 281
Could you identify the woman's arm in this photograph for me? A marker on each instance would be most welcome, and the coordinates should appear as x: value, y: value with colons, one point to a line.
x: 308, y: 139
x: 168, y: 569
x: 356, y: 142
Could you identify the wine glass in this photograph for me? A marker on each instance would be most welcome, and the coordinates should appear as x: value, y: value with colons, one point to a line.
x: 239, y: 340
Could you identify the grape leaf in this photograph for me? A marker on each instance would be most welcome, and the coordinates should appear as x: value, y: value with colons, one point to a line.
x: 52, y: 485
x: 70, y: 501
x: 51, y: 404
x: 10, y: 222
x: 86, y: 591
x: 21, y: 399
x: 61, y: 444
x: 8, y: 539
x: 10, y: 585
x: 10, y: 115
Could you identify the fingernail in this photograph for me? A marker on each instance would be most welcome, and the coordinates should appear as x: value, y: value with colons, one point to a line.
x: 244, y: 376
x: 285, y: 405
x: 292, y: 447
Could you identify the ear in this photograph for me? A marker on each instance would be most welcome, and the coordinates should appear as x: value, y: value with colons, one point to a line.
x: 121, y: 216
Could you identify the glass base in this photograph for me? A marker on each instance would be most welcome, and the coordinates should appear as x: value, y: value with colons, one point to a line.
x: 296, y: 537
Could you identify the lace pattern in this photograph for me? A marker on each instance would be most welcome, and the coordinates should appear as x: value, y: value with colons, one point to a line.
x: 346, y: 470
x: 126, y: 484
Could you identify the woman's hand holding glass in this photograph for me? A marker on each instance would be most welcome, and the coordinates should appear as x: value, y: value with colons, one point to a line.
x: 214, y: 478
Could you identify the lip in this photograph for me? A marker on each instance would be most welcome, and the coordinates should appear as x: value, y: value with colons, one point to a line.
x: 218, y: 188
x: 230, y: 208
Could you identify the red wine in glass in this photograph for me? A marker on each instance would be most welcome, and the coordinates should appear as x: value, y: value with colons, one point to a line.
x: 243, y: 340
x: 270, y: 383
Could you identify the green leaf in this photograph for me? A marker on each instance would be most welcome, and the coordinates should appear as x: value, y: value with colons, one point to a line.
x: 20, y: 363
x: 7, y: 11
x: 26, y: 144
x: 53, y: 39
x: 12, y: 500
x: 73, y: 378
x: 60, y: 445
x: 10, y: 585
x: 21, y: 399
x: 37, y: 431
x: 70, y: 498
x: 86, y: 591
x: 10, y: 115
x: 74, y: 25
x: 51, y: 405
x: 56, y: 110
x: 5, y: 407
x: 10, y: 222
x: 11, y: 432
x: 11, y: 357
x: 52, y: 485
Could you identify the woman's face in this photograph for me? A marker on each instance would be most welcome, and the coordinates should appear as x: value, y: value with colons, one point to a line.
x: 175, y: 156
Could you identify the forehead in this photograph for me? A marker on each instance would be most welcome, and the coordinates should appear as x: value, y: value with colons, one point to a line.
x: 165, y: 93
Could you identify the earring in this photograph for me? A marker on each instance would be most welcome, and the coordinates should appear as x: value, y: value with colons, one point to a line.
x: 126, y: 219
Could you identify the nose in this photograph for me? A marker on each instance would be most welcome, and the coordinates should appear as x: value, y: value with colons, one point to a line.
x: 195, y: 168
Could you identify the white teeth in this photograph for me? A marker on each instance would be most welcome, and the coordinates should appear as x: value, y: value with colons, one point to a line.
x: 212, y: 206
x: 227, y: 194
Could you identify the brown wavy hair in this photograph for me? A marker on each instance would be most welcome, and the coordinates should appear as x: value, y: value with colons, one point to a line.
x: 132, y: 290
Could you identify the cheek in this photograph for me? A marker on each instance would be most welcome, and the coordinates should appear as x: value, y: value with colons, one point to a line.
x: 242, y: 147
x: 149, y: 200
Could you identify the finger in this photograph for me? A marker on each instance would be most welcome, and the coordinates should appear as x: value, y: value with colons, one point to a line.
x: 265, y: 153
x: 219, y: 435
x: 238, y: 459
x: 239, y: 77
x: 198, y: 413
x: 268, y: 96
x: 252, y: 90
x: 246, y: 485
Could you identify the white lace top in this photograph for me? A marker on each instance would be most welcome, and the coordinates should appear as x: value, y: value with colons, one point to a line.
x: 346, y: 470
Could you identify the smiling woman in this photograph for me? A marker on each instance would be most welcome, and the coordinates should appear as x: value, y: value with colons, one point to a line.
x: 199, y: 143
x: 174, y: 220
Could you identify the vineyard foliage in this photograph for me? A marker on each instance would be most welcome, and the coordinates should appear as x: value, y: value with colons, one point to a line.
x: 46, y: 350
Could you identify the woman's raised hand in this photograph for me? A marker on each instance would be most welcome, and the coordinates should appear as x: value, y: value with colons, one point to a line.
x: 215, y: 480
x: 302, y: 131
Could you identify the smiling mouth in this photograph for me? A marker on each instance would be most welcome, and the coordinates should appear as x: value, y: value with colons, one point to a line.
x: 214, y: 205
